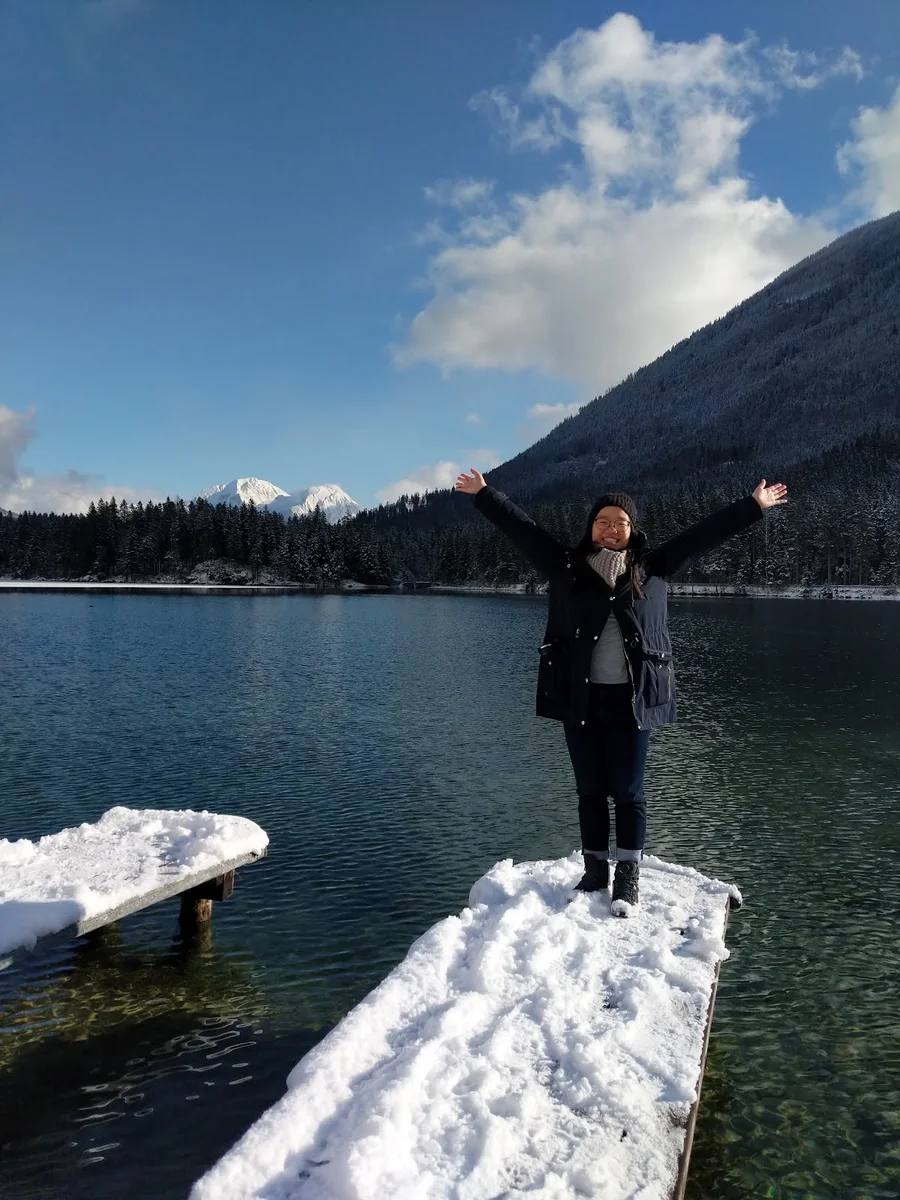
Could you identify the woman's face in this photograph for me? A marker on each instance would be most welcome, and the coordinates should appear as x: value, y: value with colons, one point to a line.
x: 611, y: 528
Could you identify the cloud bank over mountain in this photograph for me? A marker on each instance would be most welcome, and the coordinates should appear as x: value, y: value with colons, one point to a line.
x: 650, y: 228
x: 22, y: 490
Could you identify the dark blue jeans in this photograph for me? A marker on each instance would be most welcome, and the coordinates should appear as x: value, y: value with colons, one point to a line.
x: 608, y: 754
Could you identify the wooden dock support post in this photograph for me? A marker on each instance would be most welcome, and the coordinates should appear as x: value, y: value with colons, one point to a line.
x: 128, y: 860
x: 195, y: 910
x: 197, y: 904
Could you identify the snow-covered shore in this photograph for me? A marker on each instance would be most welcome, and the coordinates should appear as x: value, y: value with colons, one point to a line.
x: 535, y: 1044
x: 813, y: 591
x: 680, y: 590
x: 80, y: 585
x: 347, y: 585
x: 82, y: 872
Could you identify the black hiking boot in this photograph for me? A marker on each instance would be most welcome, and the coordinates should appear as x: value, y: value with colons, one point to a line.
x: 596, y: 875
x: 625, y: 893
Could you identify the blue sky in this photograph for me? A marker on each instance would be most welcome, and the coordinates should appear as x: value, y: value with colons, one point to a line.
x: 369, y: 243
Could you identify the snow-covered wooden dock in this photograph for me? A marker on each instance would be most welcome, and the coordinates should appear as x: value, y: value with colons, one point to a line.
x: 81, y: 878
x: 533, y: 1045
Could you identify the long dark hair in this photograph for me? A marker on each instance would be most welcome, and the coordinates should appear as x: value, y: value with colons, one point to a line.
x: 636, y: 545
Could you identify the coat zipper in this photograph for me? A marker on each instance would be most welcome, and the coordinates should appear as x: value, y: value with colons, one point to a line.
x: 631, y: 678
x: 633, y: 692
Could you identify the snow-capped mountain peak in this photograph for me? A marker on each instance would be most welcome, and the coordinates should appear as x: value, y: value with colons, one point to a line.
x: 333, y: 501
x: 329, y: 497
x: 242, y: 491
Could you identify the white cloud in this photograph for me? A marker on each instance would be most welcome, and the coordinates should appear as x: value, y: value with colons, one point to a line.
x: 541, y: 418
x: 483, y: 459
x: 424, y: 479
x: 542, y: 132
x: 649, y: 234
x: 438, y: 476
x: 16, y: 431
x: 71, y: 492
x: 474, y: 418
x: 459, y: 193
x: 804, y: 70
x: 874, y: 152
x: 22, y: 490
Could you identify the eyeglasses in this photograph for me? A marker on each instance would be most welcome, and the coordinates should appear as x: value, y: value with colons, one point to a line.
x: 602, y: 523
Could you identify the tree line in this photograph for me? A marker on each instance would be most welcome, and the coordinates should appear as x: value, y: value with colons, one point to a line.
x: 842, y: 526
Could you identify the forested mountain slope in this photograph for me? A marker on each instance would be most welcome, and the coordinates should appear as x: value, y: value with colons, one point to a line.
x: 800, y: 382
x: 810, y: 363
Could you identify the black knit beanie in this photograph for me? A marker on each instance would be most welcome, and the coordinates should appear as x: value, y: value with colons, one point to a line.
x: 617, y: 500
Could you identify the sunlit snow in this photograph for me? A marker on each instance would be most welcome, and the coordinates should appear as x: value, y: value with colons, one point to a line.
x: 90, y: 869
x: 329, y: 497
x: 534, y: 1046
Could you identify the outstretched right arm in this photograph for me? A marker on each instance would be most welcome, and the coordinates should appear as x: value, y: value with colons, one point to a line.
x: 542, y: 550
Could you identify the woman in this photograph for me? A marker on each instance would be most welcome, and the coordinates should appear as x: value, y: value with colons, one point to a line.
x: 606, y: 661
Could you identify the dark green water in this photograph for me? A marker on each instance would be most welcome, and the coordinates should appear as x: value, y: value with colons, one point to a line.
x: 387, y: 745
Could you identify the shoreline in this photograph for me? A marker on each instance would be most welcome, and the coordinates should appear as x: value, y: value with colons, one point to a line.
x: 798, y: 591
x: 701, y: 591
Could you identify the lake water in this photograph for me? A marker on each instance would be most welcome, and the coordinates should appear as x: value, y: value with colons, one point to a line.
x: 386, y: 743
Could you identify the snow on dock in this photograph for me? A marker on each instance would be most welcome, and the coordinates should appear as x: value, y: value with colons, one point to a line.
x: 533, y: 1045
x: 84, y: 877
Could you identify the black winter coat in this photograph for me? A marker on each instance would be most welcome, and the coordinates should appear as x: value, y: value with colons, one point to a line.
x: 580, y: 603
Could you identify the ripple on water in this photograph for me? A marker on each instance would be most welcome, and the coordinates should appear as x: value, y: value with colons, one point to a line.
x: 387, y: 745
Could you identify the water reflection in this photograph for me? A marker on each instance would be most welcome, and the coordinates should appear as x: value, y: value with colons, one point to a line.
x: 387, y: 745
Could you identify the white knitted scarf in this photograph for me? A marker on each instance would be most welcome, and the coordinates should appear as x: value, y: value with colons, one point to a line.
x: 610, y: 565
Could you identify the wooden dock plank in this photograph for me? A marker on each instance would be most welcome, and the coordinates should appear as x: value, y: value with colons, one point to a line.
x: 82, y: 878
x: 165, y: 892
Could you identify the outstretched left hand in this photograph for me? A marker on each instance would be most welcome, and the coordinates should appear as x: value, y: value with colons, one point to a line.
x: 768, y: 495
